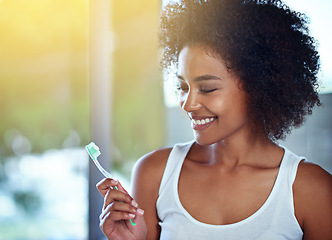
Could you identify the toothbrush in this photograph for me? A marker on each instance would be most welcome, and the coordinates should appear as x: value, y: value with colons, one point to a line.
x: 94, y: 152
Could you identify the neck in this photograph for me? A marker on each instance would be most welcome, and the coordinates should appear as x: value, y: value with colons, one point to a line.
x: 256, y: 150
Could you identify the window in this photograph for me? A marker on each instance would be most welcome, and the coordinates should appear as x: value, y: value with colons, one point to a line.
x: 44, y: 119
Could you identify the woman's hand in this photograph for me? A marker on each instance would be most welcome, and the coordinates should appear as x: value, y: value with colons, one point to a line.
x: 118, y: 208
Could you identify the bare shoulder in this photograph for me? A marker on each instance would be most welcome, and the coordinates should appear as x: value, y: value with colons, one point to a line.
x: 147, y: 175
x: 150, y: 167
x: 313, y: 178
x: 313, y: 200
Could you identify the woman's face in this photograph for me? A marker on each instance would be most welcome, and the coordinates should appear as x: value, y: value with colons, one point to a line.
x: 211, y: 94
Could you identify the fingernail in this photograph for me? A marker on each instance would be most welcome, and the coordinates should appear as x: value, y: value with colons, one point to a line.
x: 134, y: 203
x: 113, y: 181
x: 131, y: 215
x: 140, y: 211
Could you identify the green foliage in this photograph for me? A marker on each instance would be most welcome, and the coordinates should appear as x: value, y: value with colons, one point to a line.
x: 43, y: 71
x: 43, y: 75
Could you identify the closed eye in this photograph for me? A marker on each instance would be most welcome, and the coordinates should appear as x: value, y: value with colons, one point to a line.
x: 208, y: 90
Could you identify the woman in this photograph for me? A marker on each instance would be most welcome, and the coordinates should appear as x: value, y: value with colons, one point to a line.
x: 247, y: 75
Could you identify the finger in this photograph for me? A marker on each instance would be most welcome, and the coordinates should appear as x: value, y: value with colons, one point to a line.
x: 105, y: 184
x: 133, y: 202
x: 121, y: 188
x: 120, y: 207
x: 115, y: 216
x: 102, y: 221
x: 111, y: 217
x: 114, y: 195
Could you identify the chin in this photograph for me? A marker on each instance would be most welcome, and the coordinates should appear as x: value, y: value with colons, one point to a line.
x: 206, y: 139
x: 203, y: 141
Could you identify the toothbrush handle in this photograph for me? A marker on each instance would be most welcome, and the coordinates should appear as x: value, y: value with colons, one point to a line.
x: 101, y: 169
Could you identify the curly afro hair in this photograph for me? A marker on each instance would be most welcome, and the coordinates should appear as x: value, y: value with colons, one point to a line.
x: 265, y: 42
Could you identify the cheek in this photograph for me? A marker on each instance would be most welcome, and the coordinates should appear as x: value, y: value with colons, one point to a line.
x: 224, y: 101
x: 240, y: 106
x: 232, y: 106
x: 219, y: 105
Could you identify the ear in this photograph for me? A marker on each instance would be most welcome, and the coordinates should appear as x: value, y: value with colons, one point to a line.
x: 240, y: 84
x: 239, y: 81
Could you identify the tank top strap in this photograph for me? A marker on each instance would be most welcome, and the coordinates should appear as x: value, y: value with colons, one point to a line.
x: 289, y: 166
x: 175, y: 160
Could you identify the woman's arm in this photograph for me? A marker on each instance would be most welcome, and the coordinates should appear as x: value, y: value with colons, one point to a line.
x: 146, y: 179
x: 313, y: 201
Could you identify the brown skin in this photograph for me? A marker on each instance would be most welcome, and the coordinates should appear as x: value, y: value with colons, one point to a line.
x: 118, y: 205
x: 313, y: 201
x: 241, y: 164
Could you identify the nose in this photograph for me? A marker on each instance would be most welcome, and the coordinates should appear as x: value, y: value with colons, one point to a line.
x: 189, y: 101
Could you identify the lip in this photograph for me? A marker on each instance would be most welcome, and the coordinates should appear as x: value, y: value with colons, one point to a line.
x: 207, y: 121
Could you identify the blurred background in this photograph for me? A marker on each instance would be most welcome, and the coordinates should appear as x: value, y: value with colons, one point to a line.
x: 47, y: 103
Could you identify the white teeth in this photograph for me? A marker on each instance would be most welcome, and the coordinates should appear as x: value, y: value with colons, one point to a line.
x: 203, y: 121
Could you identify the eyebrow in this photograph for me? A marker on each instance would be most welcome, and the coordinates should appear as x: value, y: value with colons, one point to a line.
x: 201, y: 78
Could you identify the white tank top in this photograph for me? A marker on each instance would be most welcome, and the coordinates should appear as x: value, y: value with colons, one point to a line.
x: 275, y: 220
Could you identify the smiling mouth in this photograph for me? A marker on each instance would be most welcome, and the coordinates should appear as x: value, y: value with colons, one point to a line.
x: 202, y: 121
x: 201, y: 124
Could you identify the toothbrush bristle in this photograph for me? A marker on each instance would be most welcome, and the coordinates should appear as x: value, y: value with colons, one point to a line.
x: 93, y: 150
x: 96, y: 154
